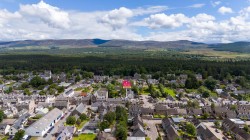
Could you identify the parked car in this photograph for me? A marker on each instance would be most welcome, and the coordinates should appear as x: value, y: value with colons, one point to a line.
x: 51, y: 129
x: 45, y: 135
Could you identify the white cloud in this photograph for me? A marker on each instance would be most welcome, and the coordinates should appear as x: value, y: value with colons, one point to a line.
x: 149, y: 10
x: 198, y: 5
x: 43, y: 21
x: 165, y: 21
x: 215, y: 3
x: 50, y: 15
x: 117, y: 18
x: 225, y: 10
x: 5, y: 16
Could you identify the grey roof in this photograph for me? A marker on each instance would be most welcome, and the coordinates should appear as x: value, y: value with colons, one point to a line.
x: 172, y: 132
x: 46, y: 120
x: 80, y: 108
x: 61, y: 103
x: 65, y: 131
x: 17, y: 124
x: 241, y: 133
x: 205, y: 133
x: 3, y: 126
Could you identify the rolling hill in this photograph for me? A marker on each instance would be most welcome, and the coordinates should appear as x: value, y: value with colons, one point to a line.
x: 240, y: 47
x: 83, y: 43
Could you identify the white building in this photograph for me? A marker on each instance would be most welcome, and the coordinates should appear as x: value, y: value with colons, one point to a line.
x: 4, y: 129
x: 40, y: 127
x: 41, y: 110
x: 69, y: 92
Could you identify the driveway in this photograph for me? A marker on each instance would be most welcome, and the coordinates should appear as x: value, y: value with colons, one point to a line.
x: 146, y: 104
x: 210, y: 125
x: 152, y: 132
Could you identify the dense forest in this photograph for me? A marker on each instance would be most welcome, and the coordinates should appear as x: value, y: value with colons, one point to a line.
x: 123, y: 65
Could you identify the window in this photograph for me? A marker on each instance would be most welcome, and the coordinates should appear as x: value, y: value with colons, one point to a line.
x: 37, y: 132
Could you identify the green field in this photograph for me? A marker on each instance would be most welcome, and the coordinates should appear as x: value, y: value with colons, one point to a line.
x: 81, y: 125
x: 85, y: 137
x: 210, y: 53
x: 171, y: 92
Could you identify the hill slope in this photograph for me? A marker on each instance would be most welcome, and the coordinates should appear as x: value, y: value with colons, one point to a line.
x: 241, y: 47
x: 83, y: 43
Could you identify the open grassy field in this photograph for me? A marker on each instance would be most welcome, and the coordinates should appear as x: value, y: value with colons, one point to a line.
x: 170, y: 92
x: 217, y: 54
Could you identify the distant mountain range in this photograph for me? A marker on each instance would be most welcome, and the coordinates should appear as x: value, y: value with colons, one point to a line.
x: 86, y: 43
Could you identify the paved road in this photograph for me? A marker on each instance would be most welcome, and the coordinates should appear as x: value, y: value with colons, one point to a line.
x: 145, y: 100
x: 210, y: 126
x: 152, y: 133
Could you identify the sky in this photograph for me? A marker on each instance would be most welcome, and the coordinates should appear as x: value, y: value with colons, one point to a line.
x: 209, y: 21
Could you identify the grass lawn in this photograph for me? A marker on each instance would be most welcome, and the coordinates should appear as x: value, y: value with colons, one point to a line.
x: 4, y: 137
x: 170, y: 92
x: 65, y: 124
x: 79, y: 89
x: 217, y: 54
x: 34, y: 138
x: 147, y: 138
x: 145, y: 91
x: 81, y: 125
x: 213, y: 94
x: 159, y: 116
x: 85, y: 137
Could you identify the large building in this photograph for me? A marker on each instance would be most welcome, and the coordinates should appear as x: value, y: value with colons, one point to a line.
x: 40, y: 127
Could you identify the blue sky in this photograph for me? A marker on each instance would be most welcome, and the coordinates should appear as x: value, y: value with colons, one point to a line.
x: 163, y: 20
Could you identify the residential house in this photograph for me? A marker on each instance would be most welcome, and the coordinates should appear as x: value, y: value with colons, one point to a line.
x: 92, y: 125
x: 81, y: 108
x: 228, y: 124
x: 176, y: 111
x: 45, y: 99
x: 134, y: 109
x: 41, y: 110
x: 161, y: 109
x: 224, y: 112
x: 4, y: 129
x: 69, y: 92
x: 65, y: 132
x: 28, y: 104
x: 195, y: 111
x: 204, y: 133
x: 41, y: 126
x: 100, y: 95
x: 18, y: 124
x: 243, y: 111
x: 169, y: 129
x: 61, y: 102
x: 137, y: 128
x: 240, y: 134
x: 235, y: 127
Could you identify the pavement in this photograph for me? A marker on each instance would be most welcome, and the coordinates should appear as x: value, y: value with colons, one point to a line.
x: 210, y: 126
x: 152, y: 132
x: 145, y: 100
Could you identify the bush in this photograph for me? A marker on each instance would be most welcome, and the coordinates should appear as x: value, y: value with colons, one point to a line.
x: 71, y: 120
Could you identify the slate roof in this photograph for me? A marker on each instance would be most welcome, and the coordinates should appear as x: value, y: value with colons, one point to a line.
x: 46, y: 120
x: 17, y: 124
x: 80, y: 108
